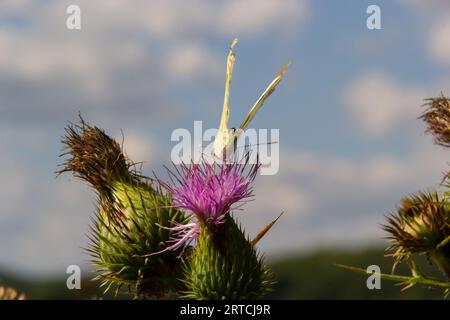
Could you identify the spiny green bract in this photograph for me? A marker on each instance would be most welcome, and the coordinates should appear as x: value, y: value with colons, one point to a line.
x: 225, y: 265
x: 120, y: 245
x: 421, y: 226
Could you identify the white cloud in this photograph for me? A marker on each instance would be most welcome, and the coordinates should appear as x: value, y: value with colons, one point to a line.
x: 277, y: 195
x: 439, y: 40
x: 141, y: 148
x: 181, y: 19
x: 15, y: 5
x: 124, y: 57
x: 190, y: 62
x: 48, y: 48
x: 378, y: 104
x: 436, y: 15
x: 35, y: 58
x: 256, y: 16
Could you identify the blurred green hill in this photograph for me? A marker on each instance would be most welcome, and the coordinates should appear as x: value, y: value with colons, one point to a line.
x: 315, y: 276
x: 309, y: 276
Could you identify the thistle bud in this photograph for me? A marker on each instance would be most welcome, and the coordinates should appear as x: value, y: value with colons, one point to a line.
x: 225, y: 265
x: 124, y: 229
x: 421, y: 225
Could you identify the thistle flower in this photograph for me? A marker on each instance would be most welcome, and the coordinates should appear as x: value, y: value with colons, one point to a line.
x: 437, y: 118
x: 421, y: 225
x: 224, y: 263
x: 207, y: 192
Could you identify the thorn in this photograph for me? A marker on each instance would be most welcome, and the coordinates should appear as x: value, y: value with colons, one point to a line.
x: 265, y: 230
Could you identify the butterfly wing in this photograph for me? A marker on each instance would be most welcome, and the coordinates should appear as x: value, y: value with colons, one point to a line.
x: 259, y: 103
x: 221, y: 141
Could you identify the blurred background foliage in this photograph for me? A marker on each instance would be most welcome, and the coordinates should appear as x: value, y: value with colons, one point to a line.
x: 308, y: 276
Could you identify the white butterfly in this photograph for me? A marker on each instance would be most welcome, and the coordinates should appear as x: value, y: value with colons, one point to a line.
x: 226, y: 139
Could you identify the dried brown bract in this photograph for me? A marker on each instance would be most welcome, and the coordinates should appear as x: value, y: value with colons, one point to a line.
x: 95, y: 157
x: 437, y: 118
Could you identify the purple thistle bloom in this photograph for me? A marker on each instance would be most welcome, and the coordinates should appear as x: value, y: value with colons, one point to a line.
x: 210, y: 191
x: 207, y: 192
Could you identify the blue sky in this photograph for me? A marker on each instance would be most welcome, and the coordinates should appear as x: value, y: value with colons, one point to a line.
x: 350, y: 142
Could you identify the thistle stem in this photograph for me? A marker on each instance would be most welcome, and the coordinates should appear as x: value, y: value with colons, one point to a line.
x: 404, y: 279
x: 443, y: 262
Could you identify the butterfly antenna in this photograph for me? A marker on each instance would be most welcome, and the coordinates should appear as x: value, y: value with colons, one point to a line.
x: 257, y: 144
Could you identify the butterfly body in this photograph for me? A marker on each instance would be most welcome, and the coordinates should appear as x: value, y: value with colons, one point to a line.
x: 225, y: 142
